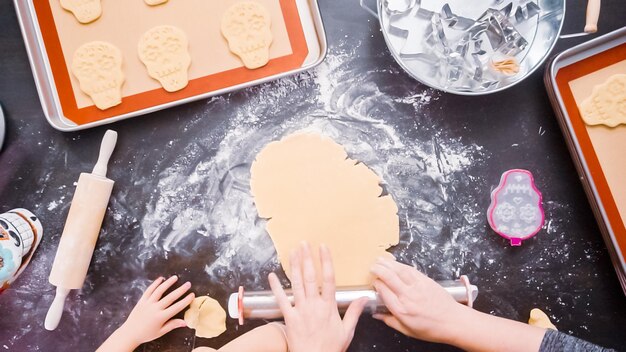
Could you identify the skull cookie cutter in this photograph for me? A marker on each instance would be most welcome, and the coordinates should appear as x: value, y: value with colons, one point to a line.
x: 515, y: 212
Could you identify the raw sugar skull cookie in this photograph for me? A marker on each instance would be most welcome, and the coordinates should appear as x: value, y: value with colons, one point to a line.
x: 98, y: 67
x: 607, y: 103
x: 85, y: 11
x: 165, y: 52
x: 246, y: 26
x: 515, y: 212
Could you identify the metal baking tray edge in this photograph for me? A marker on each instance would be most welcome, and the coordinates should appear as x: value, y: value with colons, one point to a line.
x: 48, y: 94
x: 574, y: 148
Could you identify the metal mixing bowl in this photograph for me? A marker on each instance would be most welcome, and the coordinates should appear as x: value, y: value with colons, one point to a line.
x: 541, y: 37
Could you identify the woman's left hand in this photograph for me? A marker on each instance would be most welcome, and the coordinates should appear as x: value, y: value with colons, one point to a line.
x: 313, y: 322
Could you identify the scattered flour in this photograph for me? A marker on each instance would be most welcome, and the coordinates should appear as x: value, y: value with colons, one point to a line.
x: 206, y: 191
x: 53, y: 205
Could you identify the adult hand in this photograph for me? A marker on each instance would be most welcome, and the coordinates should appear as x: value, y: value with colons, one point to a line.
x: 152, y: 316
x: 420, y: 308
x: 313, y: 322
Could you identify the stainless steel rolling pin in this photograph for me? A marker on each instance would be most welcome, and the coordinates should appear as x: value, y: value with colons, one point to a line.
x: 262, y: 304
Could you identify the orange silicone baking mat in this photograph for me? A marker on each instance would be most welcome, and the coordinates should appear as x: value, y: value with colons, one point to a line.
x: 122, y: 23
x: 603, y: 148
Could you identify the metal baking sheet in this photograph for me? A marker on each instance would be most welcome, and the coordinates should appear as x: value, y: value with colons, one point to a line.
x: 55, y: 105
x: 595, y: 149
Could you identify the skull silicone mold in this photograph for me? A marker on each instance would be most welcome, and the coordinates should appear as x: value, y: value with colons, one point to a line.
x: 515, y: 212
x: 246, y: 26
x: 85, y: 11
x: 98, y: 67
x: 164, y: 51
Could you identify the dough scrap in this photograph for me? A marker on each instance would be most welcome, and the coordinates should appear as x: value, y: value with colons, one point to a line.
x: 165, y: 52
x: 98, y: 67
x: 507, y: 66
x: 155, y: 2
x: 310, y: 190
x: 540, y: 319
x: 246, y: 26
x: 206, y: 316
x: 607, y: 103
x: 85, y: 11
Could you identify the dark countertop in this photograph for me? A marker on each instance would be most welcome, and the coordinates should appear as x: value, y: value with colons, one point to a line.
x: 180, y: 203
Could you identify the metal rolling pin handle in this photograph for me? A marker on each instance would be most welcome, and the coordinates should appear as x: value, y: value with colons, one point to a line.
x: 262, y: 304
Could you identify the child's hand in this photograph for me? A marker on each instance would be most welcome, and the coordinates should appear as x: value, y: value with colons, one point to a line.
x: 150, y: 319
x: 152, y: 316
x: 420, y: 308
x: 314, y: 324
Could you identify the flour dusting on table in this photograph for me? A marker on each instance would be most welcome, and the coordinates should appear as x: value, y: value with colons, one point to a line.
x: 206, y: 192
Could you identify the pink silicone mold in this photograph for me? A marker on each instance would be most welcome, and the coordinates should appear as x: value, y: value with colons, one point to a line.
x: 515, y: 212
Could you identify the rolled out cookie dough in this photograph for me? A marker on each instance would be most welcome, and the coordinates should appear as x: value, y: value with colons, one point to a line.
x: 98, y: 67
x: 155, y: 2
x: 165, y: 52
x: 607, y: 103
x: 206, y: 316
x: 246, y: 27
x: 85, y: 11
x: 310, y: 190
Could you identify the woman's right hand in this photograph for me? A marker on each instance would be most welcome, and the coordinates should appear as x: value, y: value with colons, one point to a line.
x: 419, y: 307
x: 422, y: 309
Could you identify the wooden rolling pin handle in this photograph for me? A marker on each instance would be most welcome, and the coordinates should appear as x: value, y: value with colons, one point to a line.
x: 593, y: 13
x: 106, y: 149
x: 56, y: 309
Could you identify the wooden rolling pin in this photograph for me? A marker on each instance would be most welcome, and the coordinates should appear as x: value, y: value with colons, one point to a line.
x: 593, y: 14
x: 81, y: 231
x: 591, y: 22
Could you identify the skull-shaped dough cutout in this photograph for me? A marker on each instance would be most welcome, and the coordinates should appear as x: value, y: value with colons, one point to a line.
x: 98, y: 67
x: 515, y: 212
x: 246, y: 26
x: 164, y: 51
x: 607, y: 103
x: 85, y: 11
x: 155, y: 2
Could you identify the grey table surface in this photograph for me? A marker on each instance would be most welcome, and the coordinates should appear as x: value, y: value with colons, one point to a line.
x: 181, y: 203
